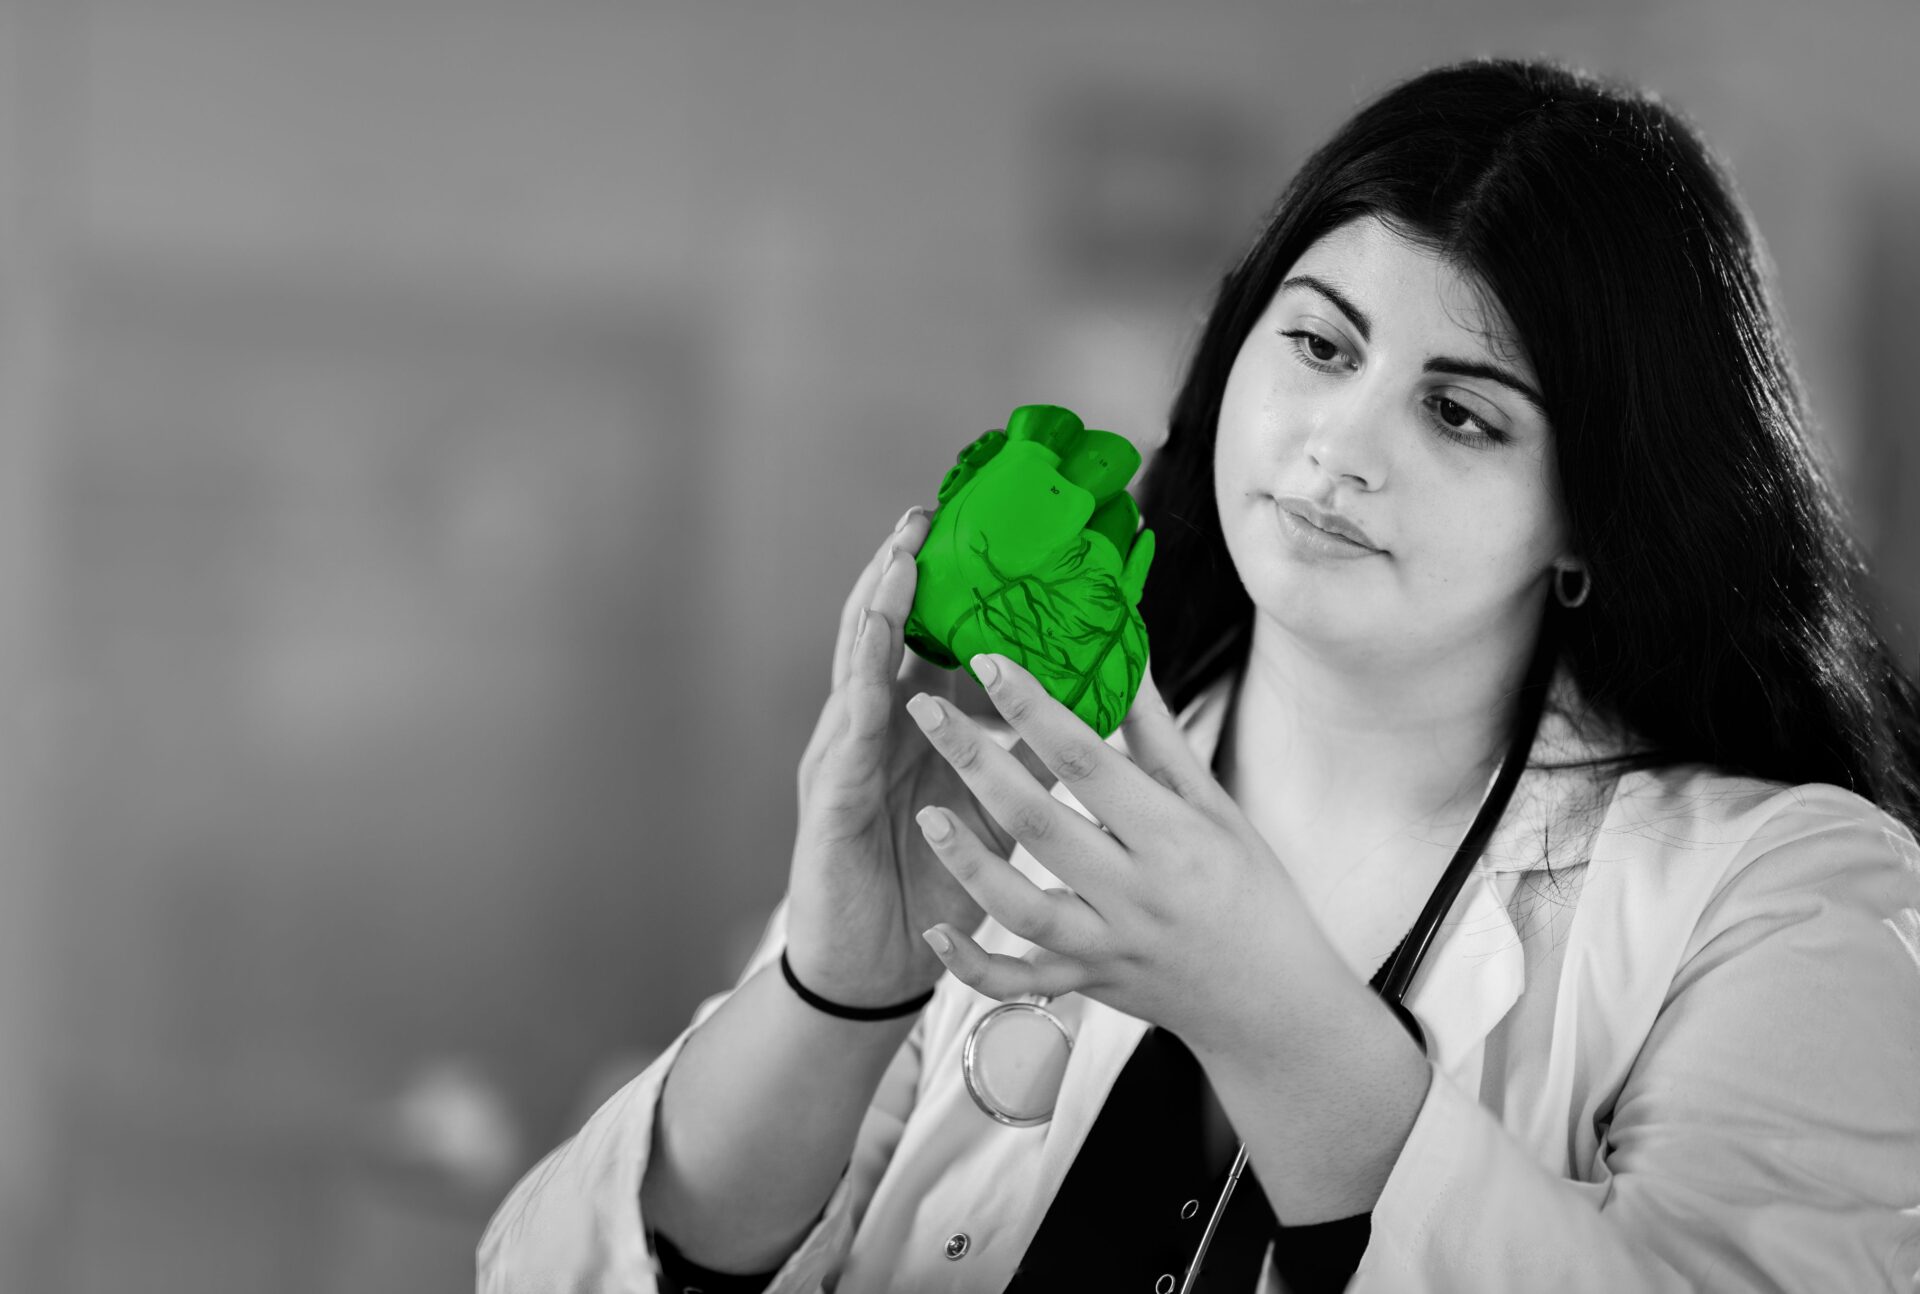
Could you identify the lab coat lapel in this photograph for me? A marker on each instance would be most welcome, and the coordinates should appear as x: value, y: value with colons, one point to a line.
x: 1476, y: 968
x: 1472, y: 975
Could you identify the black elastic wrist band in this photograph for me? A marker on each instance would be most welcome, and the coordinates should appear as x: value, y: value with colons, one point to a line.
x: 819, y: 1003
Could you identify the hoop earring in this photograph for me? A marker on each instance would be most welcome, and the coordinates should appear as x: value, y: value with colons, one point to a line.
x: 1570, y: 601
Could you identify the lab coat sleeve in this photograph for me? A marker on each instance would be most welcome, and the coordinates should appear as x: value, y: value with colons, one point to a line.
x: 1767, y: 1135
x: 573, y: 1224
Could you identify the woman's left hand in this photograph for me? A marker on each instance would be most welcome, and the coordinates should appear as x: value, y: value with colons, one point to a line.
x: 1177, y: 910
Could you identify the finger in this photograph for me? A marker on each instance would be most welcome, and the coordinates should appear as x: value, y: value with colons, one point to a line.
x: 874, y: 664
x: 868, y: 695
x: 1158, y: 746
x: 1000, y: 841
x: 893, y: 595
x: 859, y: 599
x: 909, y: 532
x: 1005, y: 978
x: 1056, y: 919
x: 1030, y: 760
x: 1001, y: 735
x: 1063, y: 841
x: 1115, y: 790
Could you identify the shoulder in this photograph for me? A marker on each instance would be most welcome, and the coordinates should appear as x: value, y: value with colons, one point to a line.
x: 1683, y: 823
x: 1737, y: 846
x: 1698, y: 806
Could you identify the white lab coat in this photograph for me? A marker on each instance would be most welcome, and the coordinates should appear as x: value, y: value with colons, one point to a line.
x: 1686, y: 1057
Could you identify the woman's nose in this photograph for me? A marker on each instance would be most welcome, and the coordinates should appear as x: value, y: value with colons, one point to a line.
x: 1347, y: 439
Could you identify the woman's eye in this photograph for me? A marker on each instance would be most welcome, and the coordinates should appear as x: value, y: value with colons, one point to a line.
x: 1316, y: 351
x: 1455, y: 422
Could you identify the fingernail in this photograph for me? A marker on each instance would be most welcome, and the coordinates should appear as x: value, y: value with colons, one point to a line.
x: 934, y: 823
x: 985, y: 668
x: 939, y: 942
x: 860, y: 635
x: 905, y: 517
x: 925, y: 710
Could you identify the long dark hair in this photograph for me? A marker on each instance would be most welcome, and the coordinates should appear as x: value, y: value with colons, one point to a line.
x: 1730, y: 620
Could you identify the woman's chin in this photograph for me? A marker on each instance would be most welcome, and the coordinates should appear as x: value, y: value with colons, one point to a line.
x: 1323, y: 620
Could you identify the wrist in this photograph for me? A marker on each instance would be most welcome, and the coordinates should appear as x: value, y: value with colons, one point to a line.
x: 892, y: 1007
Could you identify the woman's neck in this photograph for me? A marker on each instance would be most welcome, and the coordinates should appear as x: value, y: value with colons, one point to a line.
x: 1322, y: 745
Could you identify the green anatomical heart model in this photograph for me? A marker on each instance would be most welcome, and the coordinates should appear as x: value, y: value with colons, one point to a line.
x: 1032, y: 554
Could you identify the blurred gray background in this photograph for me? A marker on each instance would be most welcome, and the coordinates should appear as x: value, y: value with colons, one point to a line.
x: 437, y: 439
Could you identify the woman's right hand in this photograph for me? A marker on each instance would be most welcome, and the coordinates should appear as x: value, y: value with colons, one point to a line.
x: 863, y: 882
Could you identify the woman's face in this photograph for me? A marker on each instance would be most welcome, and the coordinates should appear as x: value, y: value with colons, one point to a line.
x: 1378, y: 388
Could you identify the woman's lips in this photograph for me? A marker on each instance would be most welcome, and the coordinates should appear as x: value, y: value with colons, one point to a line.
x: 1306, y: 537
x: 1326, y: 519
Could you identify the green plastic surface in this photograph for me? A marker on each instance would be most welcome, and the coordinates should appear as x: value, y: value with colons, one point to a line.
x: 1033, y: 554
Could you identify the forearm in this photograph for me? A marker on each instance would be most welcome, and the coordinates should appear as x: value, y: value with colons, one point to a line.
x: 757, y: 1121
x: 1325, y: 1111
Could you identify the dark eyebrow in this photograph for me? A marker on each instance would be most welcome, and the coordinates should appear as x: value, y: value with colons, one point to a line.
x: 1339, y: 298
x: 1469, y: 368
x: 1439, y: 363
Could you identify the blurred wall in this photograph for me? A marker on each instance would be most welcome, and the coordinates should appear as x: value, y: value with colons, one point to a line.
x: 439, y: 439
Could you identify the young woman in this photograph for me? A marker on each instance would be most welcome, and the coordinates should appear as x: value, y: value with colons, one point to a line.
x: 1490, y: 458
